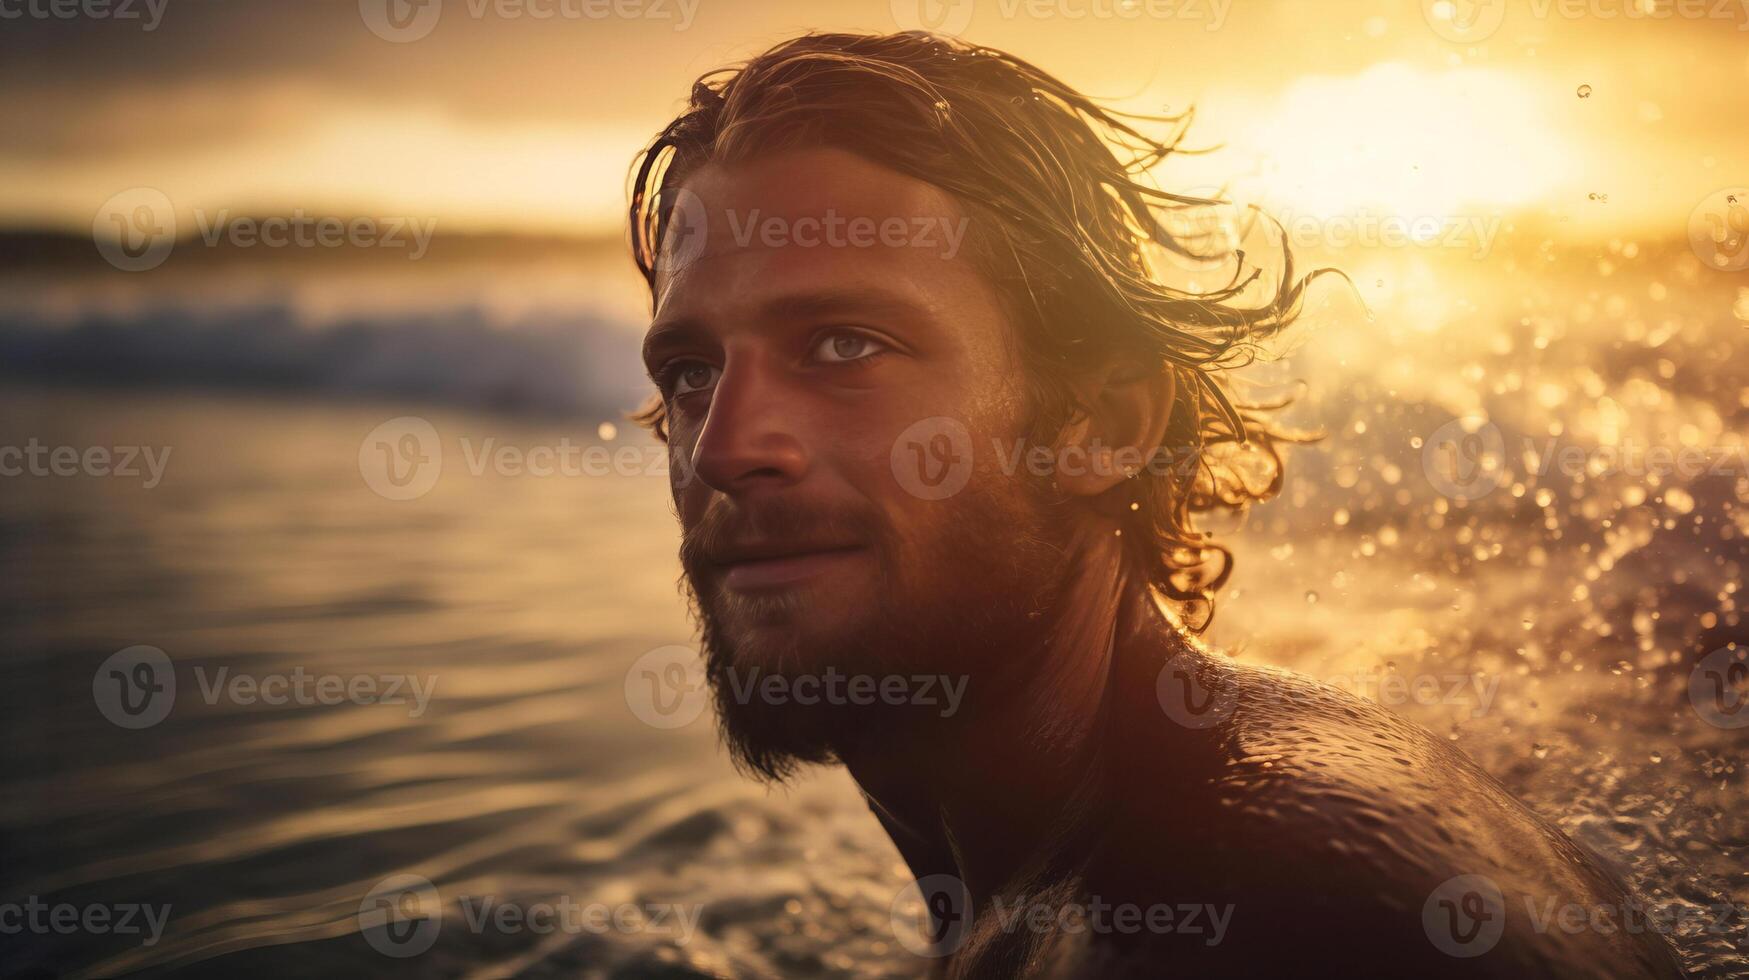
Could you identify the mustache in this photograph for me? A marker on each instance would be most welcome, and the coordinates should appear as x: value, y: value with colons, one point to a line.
x: 728, y: 528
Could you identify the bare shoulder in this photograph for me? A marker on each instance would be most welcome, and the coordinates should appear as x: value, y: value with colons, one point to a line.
x: 1330, y: 824
x: 1342, y: 776
x: 1329, y: 772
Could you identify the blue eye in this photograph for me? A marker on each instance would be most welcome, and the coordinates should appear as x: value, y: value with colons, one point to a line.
x: 840, y: 348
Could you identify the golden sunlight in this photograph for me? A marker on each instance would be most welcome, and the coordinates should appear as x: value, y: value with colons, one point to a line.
x: 1320, y: 151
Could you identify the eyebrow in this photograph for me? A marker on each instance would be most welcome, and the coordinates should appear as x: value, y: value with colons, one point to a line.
x: 686, y: 331
x: 670, y: 335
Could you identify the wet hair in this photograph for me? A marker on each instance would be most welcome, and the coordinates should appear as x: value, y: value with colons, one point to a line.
x: 1079, y: 230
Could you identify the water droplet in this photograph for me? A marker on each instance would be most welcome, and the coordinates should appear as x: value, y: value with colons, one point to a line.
x: 1311, y: 598
x: 1656, y: 757
x: 1585, y: 91
x: 1539, y: 750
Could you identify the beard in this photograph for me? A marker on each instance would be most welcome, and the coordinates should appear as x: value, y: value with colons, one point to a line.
x: 963, y: 594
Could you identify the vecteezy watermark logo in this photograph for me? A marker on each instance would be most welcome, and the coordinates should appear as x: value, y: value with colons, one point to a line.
x: 401, y: 21
x: 1474, y: 691
x: 1465, y: 916
x: 942, y: 234
x: 149, y: 12
x: 952, y: 16
x: 1632, y: 917
x: 932, y: 458
x: 485, y: 913
x: 942, y: 692
x: 39, y: 460
x: 687, y: 228
x: 1187, y: 698
x: 135, y: 687
x: 301, y: 687
x: 401, y: 916
x: 932, y: 916
x: 1470, y: 21
x: 302, y: 230
x: 1718, y: 230
x: 402, y: 458
x: 1465, y: 459
x: 1096, y: 915
x: 136, y: 229
x: 1464, y: 21
x: 33, y: 915
x: 1718, y: 687
x: 935, y: 16
x: 666, y: 688
x: 1468, y: 458
x: 1473, y: 233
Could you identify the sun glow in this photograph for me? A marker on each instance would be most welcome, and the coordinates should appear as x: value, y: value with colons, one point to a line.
x: 1463, y: 141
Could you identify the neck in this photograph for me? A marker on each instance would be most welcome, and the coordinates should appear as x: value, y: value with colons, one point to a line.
x: 990, y: 800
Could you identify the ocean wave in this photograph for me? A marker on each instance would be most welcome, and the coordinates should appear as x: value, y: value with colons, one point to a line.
x: 553, y: 362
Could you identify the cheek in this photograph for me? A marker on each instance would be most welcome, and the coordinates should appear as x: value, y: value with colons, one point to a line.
x: 689, y: 492
x: 941, y: 475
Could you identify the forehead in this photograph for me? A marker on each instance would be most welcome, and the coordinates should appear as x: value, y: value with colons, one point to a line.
x: 818, y: 221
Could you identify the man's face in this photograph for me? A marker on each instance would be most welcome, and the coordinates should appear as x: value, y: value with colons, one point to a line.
x: 815, y: 311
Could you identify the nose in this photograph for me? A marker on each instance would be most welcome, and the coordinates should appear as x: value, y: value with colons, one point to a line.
x: 749, y: 440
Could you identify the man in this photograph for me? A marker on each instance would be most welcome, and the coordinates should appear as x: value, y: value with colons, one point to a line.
x: 934, y: 417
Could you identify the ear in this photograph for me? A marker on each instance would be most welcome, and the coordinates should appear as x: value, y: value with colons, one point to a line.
x: 1126, y: 408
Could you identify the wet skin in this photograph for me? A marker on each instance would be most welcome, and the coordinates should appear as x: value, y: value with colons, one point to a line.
x: 1324, y: 822
x: 1327, y: 829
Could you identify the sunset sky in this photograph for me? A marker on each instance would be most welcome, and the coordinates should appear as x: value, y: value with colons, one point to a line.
x: 496, y: 119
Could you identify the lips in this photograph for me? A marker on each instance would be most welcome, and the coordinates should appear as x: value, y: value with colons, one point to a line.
x: 774, y: 565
